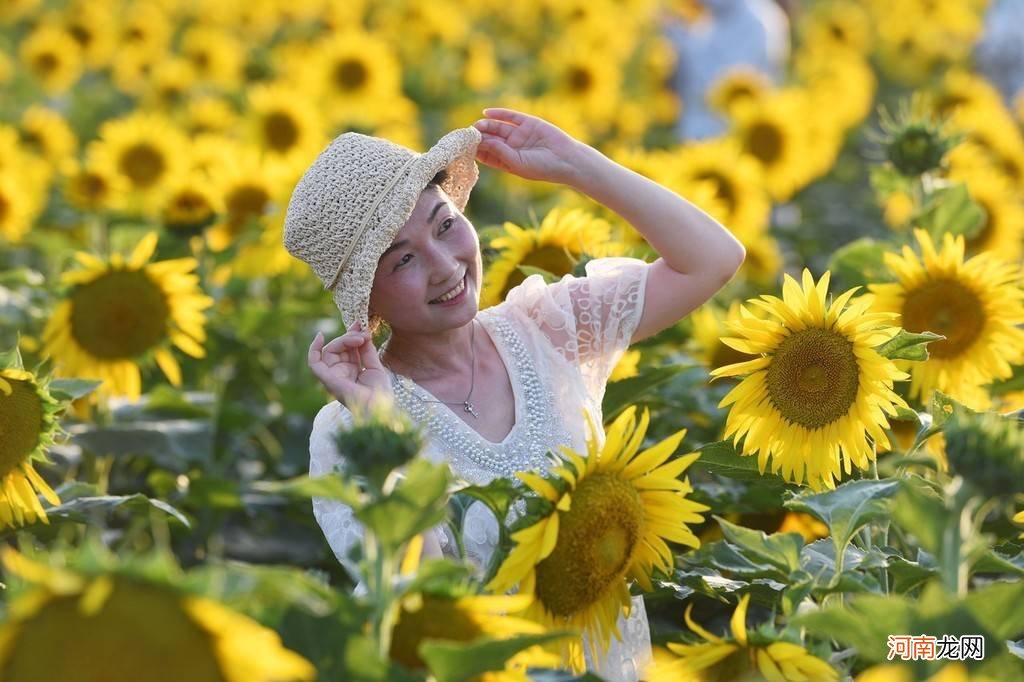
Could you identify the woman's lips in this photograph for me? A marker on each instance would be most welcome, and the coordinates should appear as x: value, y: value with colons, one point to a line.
x: 457, y: 297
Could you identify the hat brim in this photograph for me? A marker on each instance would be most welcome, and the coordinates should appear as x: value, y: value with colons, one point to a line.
x: 456, y: 151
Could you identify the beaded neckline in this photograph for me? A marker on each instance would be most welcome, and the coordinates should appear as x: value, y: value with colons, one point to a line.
x: 512, y: 368
x: 525, y: 447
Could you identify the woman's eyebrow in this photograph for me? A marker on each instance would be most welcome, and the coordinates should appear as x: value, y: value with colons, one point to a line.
x: 402, y: 242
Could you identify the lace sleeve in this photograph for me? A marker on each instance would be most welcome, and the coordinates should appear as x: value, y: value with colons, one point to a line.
x: 589, y: 320
x: 336, y: 519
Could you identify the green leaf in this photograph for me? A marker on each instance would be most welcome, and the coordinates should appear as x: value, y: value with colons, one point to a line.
x: 908, y: 346
x: 498, y: 495
x: 72, y: 389
x: 451, y: 661
x: 416, y: 504
x: 859, y: 262
x: 618, y: 395
x: 722, y: 458
x: 950, y: 209
x: 531, y: 270
x: 81, y: 509
x: 779, y: 549
x: 729, y: 558
x: 886, y: 180
x: 330, y: 487
x: 847, y: 508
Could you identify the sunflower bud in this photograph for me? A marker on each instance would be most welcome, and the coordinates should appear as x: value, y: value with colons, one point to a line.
x: 915, y: 143
x: 380, y: 441
x: 987, y: 449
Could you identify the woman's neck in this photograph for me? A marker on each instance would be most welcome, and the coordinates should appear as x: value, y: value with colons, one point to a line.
x: 430, y: 356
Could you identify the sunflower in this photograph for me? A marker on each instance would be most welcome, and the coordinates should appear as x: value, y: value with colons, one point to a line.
x: 191, y: 203
x: 89, y: 187
x: 626, y: 367
x: 452, y: 618
x: 216, y: 55
x: 738, y: 87
x: 736, y: 180
x: 763, y: 261
x: 210, y: 114
x: 1002, y: 228
x: 563, y: 236
x: 1019, y: 518
x: 117, y: 314
x: 708, y: 329
x: 249, y: 184
x: 976, y: 304
x: 118, y: 627
x: 818, y: 388
x: 46, y: 133
x: 608, y: 521
x: 355, y: 75
x: 52, y: 56
x: 585, y: 80
x: 739, y: 657
x: 170, y: 81
x: 28, y: 422
x: 147, y: 150
x: 774, y: 134
x: 839, y: 24
x: 284, y: 124
x: 17, y: 210
x: 145, y: 30
x: 93, y: 27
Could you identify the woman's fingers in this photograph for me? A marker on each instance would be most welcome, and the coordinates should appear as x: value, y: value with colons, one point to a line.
x: 369, y: 356
x: 316, y: 349
x: 490, y: 126
x: 494, y: 152
x: 510, y: 115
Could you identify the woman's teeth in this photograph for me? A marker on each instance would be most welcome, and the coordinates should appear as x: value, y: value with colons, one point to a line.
x: 452, y: 293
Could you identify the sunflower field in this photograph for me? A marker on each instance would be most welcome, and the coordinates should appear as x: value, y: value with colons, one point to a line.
x: 817, y: 475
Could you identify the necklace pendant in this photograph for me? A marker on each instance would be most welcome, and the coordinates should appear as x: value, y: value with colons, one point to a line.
x: 468, y: 407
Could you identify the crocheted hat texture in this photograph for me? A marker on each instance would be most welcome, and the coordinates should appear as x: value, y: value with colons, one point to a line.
x: 355, y: 197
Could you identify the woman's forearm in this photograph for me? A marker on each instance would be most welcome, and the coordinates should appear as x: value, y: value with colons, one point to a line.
x: 687, y: 238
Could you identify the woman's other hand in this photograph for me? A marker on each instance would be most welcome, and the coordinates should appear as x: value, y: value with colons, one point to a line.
x: 528, y: 146
x: 349, y: 367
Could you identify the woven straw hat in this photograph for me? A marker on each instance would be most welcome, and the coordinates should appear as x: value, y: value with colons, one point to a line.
x: 355, y: 197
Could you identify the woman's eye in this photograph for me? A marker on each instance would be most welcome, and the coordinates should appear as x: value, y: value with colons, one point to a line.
x: 448, y: 222
x: 405, y: 259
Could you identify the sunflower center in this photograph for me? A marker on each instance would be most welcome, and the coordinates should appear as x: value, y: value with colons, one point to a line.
x: 945, y: 307
x: 31, y: 139
x: 280, y: 131
x: 578, y: 79
x: 119, y: 315
x: 724, y: 189
x: 764, y: 142
x: 21, y: 422
x: 738, y: 92
x: 92, y: 185
x: 46, y: 63
x: 244, y: 203
x: 142, y: 164
x: 350, y: 74
x: 554, y: 259
x: 813, y: 377
x: 133, y: 636
x: 596, y: 542
x: 81, y: 33
x: 437, y: 618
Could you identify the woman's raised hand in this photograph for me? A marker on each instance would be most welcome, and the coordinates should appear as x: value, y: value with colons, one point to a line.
x: 349, y: 367
x: 528, y: 146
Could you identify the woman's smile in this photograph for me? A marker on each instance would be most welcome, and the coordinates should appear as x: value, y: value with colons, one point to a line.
x: 455, y: 295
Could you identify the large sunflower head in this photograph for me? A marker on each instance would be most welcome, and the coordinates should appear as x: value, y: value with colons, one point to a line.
x: 817, y: 388
x: 284, y: 124
x: 28, y: 423
x: 17, y: 210
x: 556, y: 246
x: 744, y: 655
x: 47, y: 133
x: 609, y: 515
x: 116, y: 627
x: 774, y: 134
x: 977, y: 304
x: 735, y: 180
x: 118, y: 314
x: 250, y: 186
x: 146, y: 150
x: 466, y: 618
x: 737, y: 88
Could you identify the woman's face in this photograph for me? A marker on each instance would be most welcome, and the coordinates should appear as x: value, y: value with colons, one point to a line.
x: 436, y: 254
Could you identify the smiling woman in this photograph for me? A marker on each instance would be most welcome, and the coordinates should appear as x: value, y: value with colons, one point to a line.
x: 384, y: 229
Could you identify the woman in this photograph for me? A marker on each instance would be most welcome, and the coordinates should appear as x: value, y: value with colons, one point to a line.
x: 496, y: 389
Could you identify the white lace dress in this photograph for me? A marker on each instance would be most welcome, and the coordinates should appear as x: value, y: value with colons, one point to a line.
x: 559, y: 342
